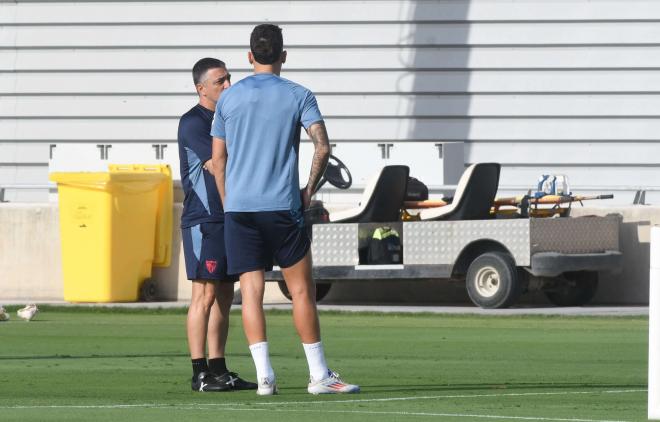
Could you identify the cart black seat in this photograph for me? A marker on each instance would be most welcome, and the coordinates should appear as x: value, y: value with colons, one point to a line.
x: 474, y: 195
x: 382, y: 198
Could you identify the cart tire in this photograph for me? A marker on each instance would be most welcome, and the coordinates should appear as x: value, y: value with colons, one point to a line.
x: 148, y: 291
x: 322, y: 290
x: 575, y: 288
x: 492, y: 281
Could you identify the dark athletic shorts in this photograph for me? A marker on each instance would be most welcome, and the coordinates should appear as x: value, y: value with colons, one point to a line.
x: 204, y: 251
x: 254, y: 239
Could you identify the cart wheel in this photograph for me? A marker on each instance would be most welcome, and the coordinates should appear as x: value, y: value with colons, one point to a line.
x: 575, y: 288
x: 322, y: 290
x: 492, y: 280
x: 148, y: 291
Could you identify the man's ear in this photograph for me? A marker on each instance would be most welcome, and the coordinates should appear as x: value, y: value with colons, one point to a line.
x: 250, y: 57
x: 283, y: 56
x: 199, y: 87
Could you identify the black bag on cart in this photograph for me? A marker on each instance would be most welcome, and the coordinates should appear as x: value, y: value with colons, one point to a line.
x: 384, y: 247
x: 416, y: 191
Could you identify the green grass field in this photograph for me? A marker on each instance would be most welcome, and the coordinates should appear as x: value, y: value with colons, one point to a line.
x: 81, y: 364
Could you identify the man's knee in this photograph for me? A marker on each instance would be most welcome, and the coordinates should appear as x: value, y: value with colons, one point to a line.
x: 209, y: 298
x: 203, y: 295
x: 301, y: 289
x: 224, y: 293
x: 252, y: 295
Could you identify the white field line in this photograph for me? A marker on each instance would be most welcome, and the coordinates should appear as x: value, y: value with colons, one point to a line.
x: 449, y: 415
x: 287, y: 403
x: 356, y: 412
x: 451, y: 396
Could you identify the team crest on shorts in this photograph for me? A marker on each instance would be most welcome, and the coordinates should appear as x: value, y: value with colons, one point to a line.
x: 211, y: 265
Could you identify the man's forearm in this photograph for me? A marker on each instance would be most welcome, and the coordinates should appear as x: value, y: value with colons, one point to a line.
x: 319, y: 136
x: 219, y: 176
x: 219, y: 164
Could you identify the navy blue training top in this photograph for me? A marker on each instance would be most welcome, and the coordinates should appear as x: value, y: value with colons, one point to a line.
x: 202, y: 202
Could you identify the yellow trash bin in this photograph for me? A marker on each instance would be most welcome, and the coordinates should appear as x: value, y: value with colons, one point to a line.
x: 114, y: 227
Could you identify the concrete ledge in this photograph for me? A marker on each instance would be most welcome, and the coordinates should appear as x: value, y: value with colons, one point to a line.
x: 594, y: 311
x: 30, y: 267
x: 30, y: 263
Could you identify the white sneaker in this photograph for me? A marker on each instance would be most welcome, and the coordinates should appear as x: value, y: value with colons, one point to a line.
x: 266, y: 387
x: 332, y: 384
x: 28, y: 312
x: 4, y: 315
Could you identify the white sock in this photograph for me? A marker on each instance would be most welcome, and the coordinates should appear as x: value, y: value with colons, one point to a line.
x: 318, y: 368
x: 262, y: 361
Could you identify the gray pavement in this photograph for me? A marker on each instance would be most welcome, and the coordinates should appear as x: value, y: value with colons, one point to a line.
x: 390, y: 308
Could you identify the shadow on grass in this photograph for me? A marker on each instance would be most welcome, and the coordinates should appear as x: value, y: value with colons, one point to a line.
x: 117, y: 356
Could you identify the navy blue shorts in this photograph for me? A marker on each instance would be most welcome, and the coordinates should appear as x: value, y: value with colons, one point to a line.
x: 204, y: 252
x: 254, y: 239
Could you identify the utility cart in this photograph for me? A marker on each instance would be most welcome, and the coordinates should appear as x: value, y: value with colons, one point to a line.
x: 498, y: 258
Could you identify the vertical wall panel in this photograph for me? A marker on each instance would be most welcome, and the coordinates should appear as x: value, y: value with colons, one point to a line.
x: 544, y: 86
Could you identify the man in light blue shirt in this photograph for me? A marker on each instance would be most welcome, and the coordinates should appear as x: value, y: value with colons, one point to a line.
x: 256, y: 136
x: 260, y: 122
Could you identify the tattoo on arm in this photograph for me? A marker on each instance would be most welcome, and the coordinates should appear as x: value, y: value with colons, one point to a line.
x: 319, y: 136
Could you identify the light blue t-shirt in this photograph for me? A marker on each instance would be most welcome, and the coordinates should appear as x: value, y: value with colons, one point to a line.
x: 260, y: 119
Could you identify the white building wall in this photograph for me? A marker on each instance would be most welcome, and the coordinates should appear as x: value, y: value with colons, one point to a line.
x: 542, y: 86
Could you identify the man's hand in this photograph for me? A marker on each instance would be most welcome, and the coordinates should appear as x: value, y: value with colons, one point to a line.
x: 208, y: 166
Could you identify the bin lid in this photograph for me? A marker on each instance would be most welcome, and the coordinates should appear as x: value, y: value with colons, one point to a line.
x: 115, y: 173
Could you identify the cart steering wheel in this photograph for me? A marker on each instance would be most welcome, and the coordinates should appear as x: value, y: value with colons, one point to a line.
x: 337, y: 174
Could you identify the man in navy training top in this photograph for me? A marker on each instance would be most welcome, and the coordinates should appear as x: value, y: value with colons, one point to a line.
x: 256, y: 135
x: 202, y: 227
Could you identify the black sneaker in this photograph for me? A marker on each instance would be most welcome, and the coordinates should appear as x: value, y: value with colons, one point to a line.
x: 208, y: 381
x: 234, y: 382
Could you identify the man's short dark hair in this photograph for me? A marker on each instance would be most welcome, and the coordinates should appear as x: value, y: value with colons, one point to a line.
x: 203, y: 65
x: 266, y: 43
